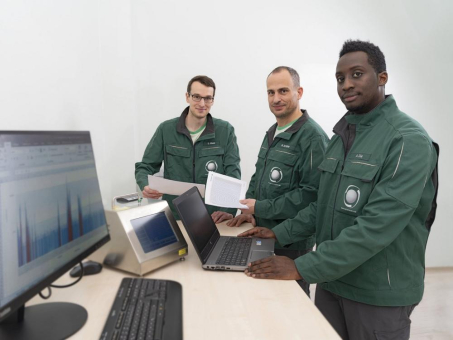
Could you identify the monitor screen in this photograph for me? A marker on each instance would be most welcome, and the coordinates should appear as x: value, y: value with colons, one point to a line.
x: 153, y: 231
x: 51, y: 211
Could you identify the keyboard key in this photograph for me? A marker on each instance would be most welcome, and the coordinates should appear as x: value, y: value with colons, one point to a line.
x: 235, y: 252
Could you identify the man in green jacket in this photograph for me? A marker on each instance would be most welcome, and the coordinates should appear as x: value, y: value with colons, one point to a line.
x: 376, y: 204
x: 286, y: 178
x: 191, y: 145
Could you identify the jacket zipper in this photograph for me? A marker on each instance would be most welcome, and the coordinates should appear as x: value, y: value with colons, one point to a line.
x: 193, y: 162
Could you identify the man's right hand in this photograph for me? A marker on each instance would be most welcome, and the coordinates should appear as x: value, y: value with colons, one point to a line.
x: 150, y: 193
x: 258, y: 232
x: 242, y: 218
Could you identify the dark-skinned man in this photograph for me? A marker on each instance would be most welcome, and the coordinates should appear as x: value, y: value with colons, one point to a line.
x: 190, y: 146
x: 286, y: 178
x: 376, y: 204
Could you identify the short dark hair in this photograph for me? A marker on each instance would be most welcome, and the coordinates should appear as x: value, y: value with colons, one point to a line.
x: 375, y: 56
x: 293, y: 73
x: 206, y: 81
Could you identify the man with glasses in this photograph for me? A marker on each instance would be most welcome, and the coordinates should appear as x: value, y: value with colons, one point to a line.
x: 190, y: 146
x: 286, y: 178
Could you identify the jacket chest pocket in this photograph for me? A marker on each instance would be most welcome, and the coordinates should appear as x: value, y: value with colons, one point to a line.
x: 279, y: 172
x: 259, y: 165
x: 177, y: 157
x: 210, y: 159
x: 328, y: 180
x: 356, y: 183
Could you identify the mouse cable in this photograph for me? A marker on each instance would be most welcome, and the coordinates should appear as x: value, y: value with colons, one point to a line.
x: 72, y: 283
x: 64, y: 286
x: 48, y: 296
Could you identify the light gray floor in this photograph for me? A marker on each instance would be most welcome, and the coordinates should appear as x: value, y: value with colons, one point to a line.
x: 432, y: 319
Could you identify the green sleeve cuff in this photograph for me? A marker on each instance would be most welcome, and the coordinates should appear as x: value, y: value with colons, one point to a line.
x: 142, y: 183
x: 260, y: 209
x: 282, y: 234
x: 308, y: 271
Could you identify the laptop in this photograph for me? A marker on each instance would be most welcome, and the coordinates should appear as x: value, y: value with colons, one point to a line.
x: 217, y: 252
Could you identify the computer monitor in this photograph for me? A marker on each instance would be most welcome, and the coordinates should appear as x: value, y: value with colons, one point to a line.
x: 51, y: 218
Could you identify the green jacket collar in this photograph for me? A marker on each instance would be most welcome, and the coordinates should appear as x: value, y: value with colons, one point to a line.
x: 369, y: 119
x: 288, y: 133
x: 209, y: 132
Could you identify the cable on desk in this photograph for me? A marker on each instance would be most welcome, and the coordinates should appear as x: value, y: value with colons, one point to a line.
x: 49, y: 288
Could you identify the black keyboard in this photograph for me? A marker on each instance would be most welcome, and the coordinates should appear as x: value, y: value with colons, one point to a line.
x: 235, y: 252
x: 145, y: 309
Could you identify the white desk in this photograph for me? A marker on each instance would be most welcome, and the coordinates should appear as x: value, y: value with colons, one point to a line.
x: 217, y: 305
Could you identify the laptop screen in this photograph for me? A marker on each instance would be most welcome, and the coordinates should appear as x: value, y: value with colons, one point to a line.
x: 199, y: 224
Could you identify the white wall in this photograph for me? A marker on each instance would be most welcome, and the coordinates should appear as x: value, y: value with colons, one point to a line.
x: 120, y: 67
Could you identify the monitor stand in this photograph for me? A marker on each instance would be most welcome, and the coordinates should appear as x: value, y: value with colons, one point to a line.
x: 55, y: 320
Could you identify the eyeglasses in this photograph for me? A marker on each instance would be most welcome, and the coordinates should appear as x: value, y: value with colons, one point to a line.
x: 198, y: 98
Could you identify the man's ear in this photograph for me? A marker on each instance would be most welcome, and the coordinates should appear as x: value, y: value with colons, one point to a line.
x: 187, y: 97
x: 383, y: 77
x: 300, y: 92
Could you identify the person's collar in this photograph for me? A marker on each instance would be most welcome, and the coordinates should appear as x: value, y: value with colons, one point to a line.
x: 367, y: 120
x: 292, y: 129
x: 182, y: 128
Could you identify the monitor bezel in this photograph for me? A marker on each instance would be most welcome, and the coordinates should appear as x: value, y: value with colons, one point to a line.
x: 12, y: 306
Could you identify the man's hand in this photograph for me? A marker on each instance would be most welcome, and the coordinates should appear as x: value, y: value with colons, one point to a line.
x: 273, y: 267
x: 242, y: 218
x: 250, y: 202
x: 258, y: 232
x: 220, y: 216
x: 150, y: 193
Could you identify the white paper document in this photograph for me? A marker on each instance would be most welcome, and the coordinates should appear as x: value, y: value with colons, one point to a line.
x: 224, y: 191
x: 167, y: 186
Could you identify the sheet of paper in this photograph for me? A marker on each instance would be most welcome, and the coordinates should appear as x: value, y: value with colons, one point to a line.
x: 224, y: 191
x: 167, y: 186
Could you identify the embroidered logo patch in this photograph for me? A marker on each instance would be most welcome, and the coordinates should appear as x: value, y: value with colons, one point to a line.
x: 211, y: 166
x: 351, y: 196
x: 275, y: 175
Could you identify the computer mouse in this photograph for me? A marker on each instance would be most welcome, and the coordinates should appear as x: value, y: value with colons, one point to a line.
x: 89, y: 268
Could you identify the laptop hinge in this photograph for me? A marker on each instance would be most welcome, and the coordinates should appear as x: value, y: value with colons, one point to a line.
x: 212, y: 243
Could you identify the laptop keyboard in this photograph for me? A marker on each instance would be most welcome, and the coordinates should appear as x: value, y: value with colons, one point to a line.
x: 235, y: 252
x: 138, y: 311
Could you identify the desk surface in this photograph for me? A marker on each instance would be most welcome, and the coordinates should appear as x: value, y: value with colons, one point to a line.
x: 217, y: 305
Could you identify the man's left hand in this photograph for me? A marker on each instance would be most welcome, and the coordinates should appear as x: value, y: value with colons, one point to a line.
x: 273, y: 267
x: 250, y: 202
x: 220, y: 216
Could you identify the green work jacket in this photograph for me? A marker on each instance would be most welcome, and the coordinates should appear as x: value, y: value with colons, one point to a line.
x: 216, y: 149
x: 376, y: 204
x: 286, y: 178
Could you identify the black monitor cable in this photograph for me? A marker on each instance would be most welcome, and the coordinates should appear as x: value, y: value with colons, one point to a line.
x: 63, y: 286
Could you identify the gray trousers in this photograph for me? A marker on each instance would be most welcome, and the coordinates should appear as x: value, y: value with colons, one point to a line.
x: 358, y: 321
x: 294, y: 254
